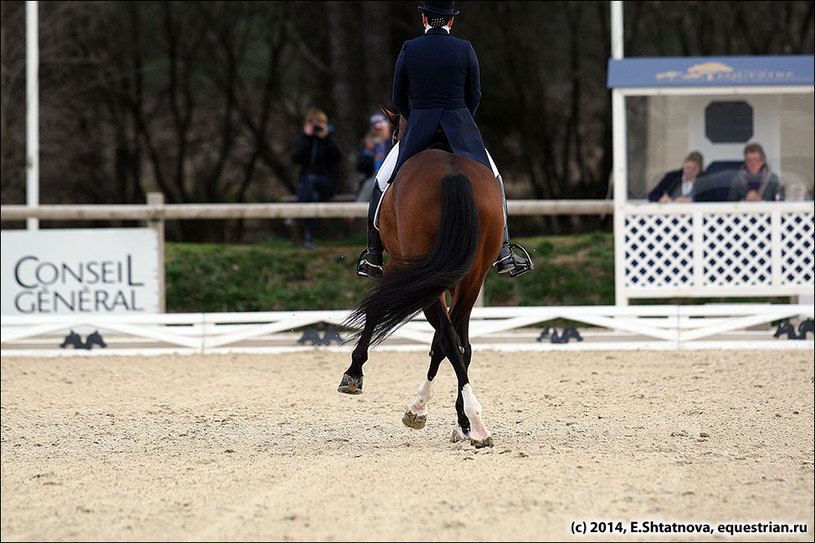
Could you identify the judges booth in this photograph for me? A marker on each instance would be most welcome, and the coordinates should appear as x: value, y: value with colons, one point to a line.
x: 663, y: 109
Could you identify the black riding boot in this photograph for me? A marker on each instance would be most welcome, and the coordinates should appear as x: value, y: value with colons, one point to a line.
x: 370, y: 261
x: 508, y: 261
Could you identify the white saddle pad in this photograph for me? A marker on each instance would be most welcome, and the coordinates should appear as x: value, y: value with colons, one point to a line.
x: 379, y: 204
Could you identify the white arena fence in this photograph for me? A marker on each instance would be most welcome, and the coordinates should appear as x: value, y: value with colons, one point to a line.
x: 665, y: 327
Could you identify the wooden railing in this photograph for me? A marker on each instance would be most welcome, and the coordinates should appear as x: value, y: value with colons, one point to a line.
x: 160, y: 210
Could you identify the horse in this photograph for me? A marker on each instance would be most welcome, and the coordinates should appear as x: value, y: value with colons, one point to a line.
x: 569, y: 332
x: 441, y: 222
x: 331, y: 334
x: 546, y: 333
x: 73, y: 339
x: 785, y: 328
x: 94, y: 338
x: 804, y: 327
x: 312, y: 335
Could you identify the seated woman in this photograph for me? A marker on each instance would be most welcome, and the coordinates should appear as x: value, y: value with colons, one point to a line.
x: 679, y: 185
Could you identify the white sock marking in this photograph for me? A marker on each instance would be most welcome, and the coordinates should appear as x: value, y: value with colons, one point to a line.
x: 478, y: 430
x: 425, y: 394
x: 471, y: 406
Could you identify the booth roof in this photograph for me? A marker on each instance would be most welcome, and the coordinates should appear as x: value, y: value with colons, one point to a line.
x: 710, y: 71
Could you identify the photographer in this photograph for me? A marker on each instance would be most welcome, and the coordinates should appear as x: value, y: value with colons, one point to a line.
x: 318, y: 156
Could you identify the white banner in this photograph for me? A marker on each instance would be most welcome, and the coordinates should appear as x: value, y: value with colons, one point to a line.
x: 82, y: 271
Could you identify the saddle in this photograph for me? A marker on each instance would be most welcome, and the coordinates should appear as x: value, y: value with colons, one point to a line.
x: 440, y: 141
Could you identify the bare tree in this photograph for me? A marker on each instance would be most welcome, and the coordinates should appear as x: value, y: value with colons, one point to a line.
x: 202, y: 100
x: 12, y: 102
x: 377, y: 54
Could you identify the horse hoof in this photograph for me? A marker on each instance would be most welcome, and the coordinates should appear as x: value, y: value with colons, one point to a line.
x: 481, y: 443
x: 458, y: 435
x: 349, y: 385
x: 413, y: 420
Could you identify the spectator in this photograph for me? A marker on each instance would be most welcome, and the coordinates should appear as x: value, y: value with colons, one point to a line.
x: 372, y: 151
x: 754, y: 181
x: 318, y: 156
x: 678, y: 185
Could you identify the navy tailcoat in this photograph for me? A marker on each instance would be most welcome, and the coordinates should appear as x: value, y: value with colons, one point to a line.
x: 437, y: 83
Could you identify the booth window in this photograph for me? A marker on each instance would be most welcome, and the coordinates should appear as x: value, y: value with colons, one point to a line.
x: 729, y: 122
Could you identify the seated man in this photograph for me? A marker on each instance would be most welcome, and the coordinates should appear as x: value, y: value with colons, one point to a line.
x: 754, y: 181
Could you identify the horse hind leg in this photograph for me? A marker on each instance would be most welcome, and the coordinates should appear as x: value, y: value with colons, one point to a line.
x: 470, y: 423
x: 351, y: 382
x: 416, y: 414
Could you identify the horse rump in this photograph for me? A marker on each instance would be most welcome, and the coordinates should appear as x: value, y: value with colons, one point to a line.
x: 410, y: 285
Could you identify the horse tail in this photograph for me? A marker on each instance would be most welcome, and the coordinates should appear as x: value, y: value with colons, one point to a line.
x: 416, y: 283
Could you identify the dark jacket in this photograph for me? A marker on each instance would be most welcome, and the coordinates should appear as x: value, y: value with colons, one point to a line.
x: 317, y: 156
x: 671, y: 184
x: 436, y: 83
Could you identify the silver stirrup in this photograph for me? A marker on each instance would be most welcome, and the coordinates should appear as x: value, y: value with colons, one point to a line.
x: 519, y: 270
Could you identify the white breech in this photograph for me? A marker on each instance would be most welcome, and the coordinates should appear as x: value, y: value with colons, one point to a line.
x: 386, y: 170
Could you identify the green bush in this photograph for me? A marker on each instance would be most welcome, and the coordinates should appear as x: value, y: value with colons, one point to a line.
x: 224, y: 278
x: 569, y: 270
x: 276, y: 276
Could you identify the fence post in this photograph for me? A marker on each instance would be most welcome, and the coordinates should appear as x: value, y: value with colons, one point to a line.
x: 156, y: 201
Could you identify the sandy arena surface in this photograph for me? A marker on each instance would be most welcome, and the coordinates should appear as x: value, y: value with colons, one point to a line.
x: 262, y: 447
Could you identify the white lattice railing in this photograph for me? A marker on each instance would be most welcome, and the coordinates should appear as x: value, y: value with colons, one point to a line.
x: 740, y: 249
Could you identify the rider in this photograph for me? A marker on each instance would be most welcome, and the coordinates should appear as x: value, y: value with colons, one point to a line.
x: 436, y: 85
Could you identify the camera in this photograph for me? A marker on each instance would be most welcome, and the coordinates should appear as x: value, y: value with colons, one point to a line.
x: 316, y: 128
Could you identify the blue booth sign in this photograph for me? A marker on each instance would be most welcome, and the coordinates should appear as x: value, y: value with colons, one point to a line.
x: 710, y: 71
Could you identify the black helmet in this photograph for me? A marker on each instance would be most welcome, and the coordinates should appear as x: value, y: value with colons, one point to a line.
x: 439, y: 8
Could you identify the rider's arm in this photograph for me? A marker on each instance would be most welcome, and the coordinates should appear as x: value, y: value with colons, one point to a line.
x: 401, y: 85
x: 473, y: 90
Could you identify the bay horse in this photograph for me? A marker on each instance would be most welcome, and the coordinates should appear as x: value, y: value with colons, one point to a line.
x: 441, y: 221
